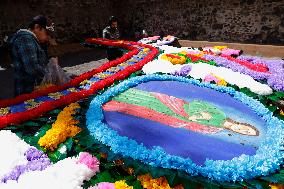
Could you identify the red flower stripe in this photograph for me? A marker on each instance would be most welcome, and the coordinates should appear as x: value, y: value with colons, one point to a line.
x: 195, y: 58
x: 255, y: 67
x: 79, y: 79
x: 20, y: 117
x: 173, y: 56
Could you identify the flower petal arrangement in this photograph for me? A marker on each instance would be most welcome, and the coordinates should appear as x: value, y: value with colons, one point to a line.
x: 210, y: 117
x: 157, y: 40
x: 64, y: 127
x: 18, y: 157
x: 275, y: 66
x: 236, y: 169
x: 54, y: 97
x: 201, y: 70
x: 25, y: 167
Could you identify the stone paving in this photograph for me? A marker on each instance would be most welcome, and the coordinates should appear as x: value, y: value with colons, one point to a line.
x: 82, y: 68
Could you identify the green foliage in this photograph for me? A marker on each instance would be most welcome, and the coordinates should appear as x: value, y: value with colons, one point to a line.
x: 110, y: 171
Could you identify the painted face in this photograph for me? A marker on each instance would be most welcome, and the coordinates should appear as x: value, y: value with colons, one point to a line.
x: 241, y: 128
x: 114, y: 25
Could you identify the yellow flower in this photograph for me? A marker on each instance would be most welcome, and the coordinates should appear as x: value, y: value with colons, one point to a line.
x: 84, y: 82
x: 146, y: 50
x: 220, y: 47
x: 199, y: 54
x: 276, y: 186
x: 183, y: 59
x: 62, y: 128
x: 44, y: 86
x: 174, y: 60
x: 102, y: 75
x: 113, y: 69
x: 160, y: 183
x: 72, y: 89
x: 122, y: 185
x: 183, y: 52
x: 123, y: 64
x: 221, y: 81
x: 4, y: 111
x: 55, y: 96
x: 164, y: 57
x: 30, y: 104
x: 281, y: 112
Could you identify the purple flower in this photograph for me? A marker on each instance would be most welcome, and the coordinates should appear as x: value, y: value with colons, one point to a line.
x: 183, y: 71
x: 221, y: 61
x: 14, y: 174
x: 275, y: 66
x: 37, y: 161
x: 274, y: 78
x: 33, y: 153
x: 37, y: 165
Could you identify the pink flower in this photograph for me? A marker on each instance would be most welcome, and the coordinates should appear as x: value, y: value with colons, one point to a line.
x: 229, y: 52
x: 209, y: 78
x: 103, y: 185
x: 92, y: 162
x: 154, y: 38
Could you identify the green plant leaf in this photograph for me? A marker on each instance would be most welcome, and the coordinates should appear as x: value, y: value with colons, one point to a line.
x: 31, y: 124
x: 62, y: 150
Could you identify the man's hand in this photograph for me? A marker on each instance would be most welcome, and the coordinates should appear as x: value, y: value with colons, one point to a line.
x: 54, y: 60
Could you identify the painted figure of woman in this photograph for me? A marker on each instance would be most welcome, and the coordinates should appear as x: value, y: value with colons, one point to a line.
x: 198, y: 116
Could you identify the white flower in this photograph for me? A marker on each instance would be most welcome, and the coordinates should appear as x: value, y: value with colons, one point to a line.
x: 63, y: 149
x: 201, y: 70
x: 13, y: 150
x: 67, y: 173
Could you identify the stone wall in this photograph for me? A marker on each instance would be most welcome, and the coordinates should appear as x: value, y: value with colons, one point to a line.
x: 73, y: 19
x: 245, y: 21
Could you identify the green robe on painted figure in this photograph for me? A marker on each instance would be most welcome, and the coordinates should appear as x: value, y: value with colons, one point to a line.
x: 196, y: 115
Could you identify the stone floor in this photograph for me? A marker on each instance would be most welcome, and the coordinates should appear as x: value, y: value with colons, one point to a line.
x: 82, y: 68
x: 72, y: 62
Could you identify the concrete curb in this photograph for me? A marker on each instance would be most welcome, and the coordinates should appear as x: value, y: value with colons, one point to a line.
x: 251, y: 49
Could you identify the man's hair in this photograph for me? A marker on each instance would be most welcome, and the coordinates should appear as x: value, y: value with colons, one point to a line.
x: 41, y: 20
x: 112, y: 19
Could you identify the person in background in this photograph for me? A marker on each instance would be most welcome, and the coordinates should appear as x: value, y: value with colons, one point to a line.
x: 111, y: 32
x: 28, y: 57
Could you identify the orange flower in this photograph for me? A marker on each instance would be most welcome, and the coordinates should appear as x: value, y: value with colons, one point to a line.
x: 130, y: 171
x: 276, y: 186
x: 159, y: 183
x: 281, y: 112
x: 174, y: 59
x: 103, y: 155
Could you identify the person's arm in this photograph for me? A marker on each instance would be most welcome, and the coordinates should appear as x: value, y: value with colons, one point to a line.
x: 27, y: 51
x: 106, y: 34
x: 117, y: 34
